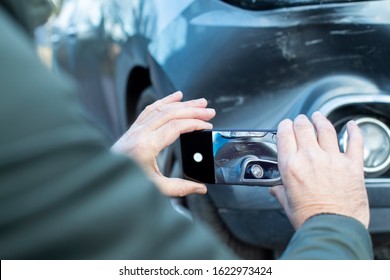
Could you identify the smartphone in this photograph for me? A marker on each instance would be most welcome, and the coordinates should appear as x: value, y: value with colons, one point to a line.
x: 232, y: 157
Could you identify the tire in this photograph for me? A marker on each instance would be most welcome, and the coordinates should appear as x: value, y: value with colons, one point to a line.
x: 147, y: 97
x: 203, y: 208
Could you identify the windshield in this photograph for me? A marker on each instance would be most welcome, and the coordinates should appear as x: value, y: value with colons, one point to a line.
x: 274, y: 4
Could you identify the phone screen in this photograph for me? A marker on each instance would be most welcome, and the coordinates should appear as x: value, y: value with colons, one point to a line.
x: 244, y: 157
x: 231, y: 157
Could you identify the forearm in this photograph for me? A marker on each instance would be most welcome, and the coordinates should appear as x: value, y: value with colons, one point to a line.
x: 327, y: 237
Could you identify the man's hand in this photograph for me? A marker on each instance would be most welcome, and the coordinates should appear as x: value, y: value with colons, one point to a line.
x: 317, y: 177
x: 157, y: 127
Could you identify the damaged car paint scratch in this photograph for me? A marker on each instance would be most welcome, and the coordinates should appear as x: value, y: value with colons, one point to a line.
x: 230, y: 102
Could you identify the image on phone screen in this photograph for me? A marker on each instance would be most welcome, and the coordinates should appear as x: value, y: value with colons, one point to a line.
x: 245, y: 157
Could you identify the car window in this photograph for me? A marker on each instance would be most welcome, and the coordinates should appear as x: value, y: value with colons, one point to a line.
x: 274, y: 4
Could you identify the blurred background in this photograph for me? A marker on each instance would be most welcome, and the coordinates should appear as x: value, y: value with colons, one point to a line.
x: 42, y: 34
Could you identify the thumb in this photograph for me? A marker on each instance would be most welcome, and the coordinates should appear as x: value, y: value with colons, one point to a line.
x: 178, y: 187
x: 280, y: 193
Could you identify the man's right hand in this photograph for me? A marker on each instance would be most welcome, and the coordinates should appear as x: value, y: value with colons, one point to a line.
x: 317, y: 177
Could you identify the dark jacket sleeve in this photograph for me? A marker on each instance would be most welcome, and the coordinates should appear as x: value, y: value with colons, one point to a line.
x: 330, y: 237
x: 63, y: 194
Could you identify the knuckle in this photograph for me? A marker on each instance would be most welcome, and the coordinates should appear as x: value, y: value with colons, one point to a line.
x: 282, y: 134
x: 357, y: 138
x: 193, y: 103
x: 302, y: 123
x: 326, y: 128
x: 284, y: 128
x: 175, y: 126
x: 292, y: 168
x: 182, y: 193
x: 148, y: 109
x: 302, y: 126
x: 166, y: 113
x: 285, y: 125
x: 159, y: 108
x: 312, y: 155
x: 198, y: 111
x: 301, y: 119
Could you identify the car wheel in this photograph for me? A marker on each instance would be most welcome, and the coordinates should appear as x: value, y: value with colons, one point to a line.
x: 203, y: 208
x: 147, y: 97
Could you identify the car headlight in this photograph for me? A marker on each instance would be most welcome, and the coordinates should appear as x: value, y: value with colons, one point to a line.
x: 376, y: 137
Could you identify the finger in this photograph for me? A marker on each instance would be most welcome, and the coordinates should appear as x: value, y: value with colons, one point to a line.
x: 279, y: 192
x: 174, y: 97
x: 176, y: 187
x: 161, y: 109
x: 326, y: 134
x: 173, y: 114
x: 172, y: 130
x: 285, y: 140
x: 355, y: 146
x: 304, y: 133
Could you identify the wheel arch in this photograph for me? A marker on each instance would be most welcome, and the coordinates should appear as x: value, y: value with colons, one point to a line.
x: 138, y: 80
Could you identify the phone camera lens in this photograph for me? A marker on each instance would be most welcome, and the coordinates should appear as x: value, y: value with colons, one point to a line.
x: 198, y: 157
